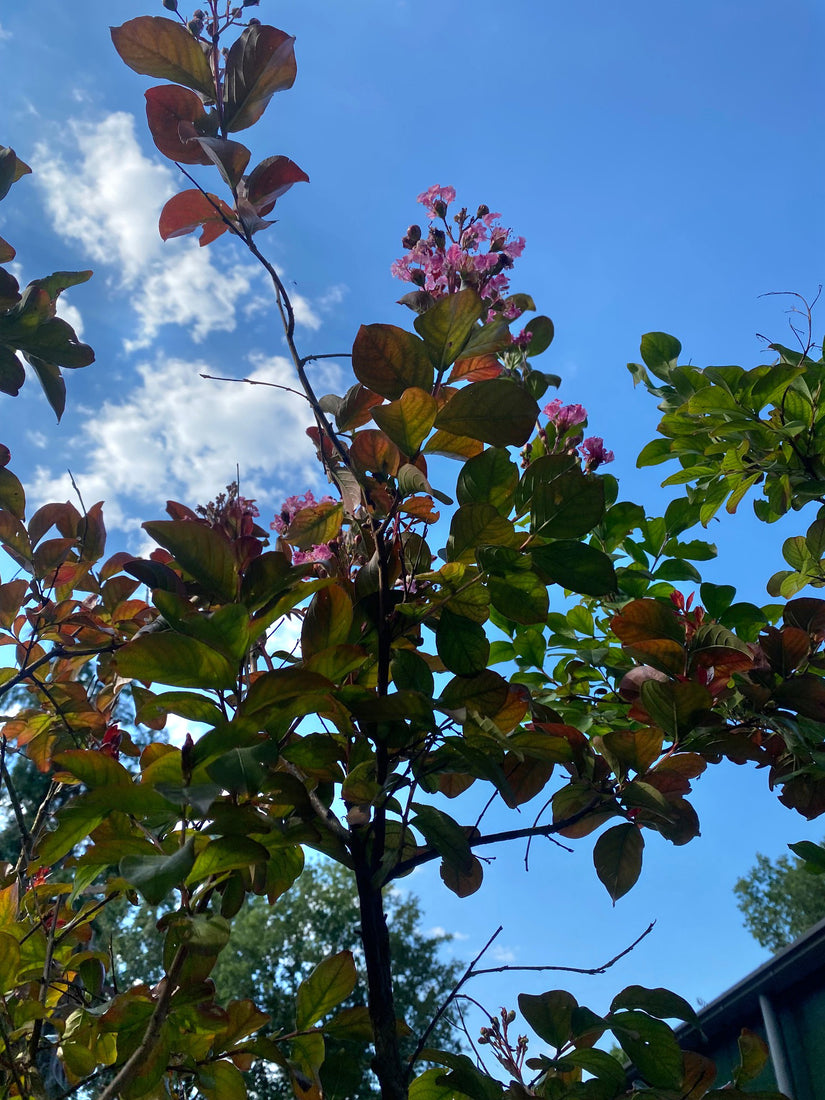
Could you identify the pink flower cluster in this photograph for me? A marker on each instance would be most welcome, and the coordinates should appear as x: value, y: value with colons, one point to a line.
x: 470, y: 251
x: 565, y: 419
x: 289, y: 509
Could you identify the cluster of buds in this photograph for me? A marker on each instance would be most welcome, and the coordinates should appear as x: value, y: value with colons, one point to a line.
x: 195, y: 25
x: 234, y: 514
x: 469, y: 250
x: 510, y: 1055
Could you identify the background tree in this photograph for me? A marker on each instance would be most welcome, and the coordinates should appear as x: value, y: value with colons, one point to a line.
x: 273, y: 948
x: 780, y: 900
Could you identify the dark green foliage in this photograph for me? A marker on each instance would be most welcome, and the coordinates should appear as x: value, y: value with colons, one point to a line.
x: 780, y: 900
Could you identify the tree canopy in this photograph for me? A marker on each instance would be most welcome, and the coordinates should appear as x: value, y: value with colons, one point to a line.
x: 780, y: 900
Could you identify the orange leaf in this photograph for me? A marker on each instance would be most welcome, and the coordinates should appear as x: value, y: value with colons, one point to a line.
x: 475, y: 369
x: 186, y: 212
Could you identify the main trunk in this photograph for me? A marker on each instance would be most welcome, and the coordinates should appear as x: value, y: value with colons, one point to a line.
x: 387, y: 1063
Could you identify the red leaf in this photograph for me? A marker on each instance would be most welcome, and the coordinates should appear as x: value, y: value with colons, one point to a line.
x: 167, y: 107
x: 186, y: 212
x: 260, y: 63
x: 271, y: 179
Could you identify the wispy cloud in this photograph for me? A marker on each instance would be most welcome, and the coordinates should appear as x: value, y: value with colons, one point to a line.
x: 177, y: 434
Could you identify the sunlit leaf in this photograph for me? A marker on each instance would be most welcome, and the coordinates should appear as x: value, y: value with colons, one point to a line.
x: 159, y: 47
x: 191, y: 210
x: 408, y: 420
x: 388, y: 360
x: 272, y: 178
x: 330, y: 983
x: 446, y: 326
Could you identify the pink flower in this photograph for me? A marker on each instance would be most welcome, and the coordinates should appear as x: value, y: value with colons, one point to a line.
x: 291, y: 506
x: 564, y: 417
x: 436, y: 194
x: 594, y: 454
x: 309, y: 557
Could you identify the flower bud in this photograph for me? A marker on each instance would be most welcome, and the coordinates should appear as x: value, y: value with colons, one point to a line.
x: 254, y: 23
x: 440, y: 208
x: 412, y: 237
x: 195, y: 27
x: 199, y: 14
x: 170, y: 5
x: 482, y: 211
x: 237, y: 13
x: 438, y: 238
x: 251, y: 3
x: 417, y: 277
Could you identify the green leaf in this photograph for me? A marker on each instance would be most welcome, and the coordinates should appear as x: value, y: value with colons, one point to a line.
x: 175, y: 659
x: 260, y: 63
x: 657, y: 1002
x: 12, y: 372
x: 475, y: 525
x: 95, y: 769
x: 488, y: 478
x: 315, y: 525
x: 617, y: 857
x: 411, y: 480
x: 446, y: 326
x: 549, y: 1014
x: 445, y: 835
x: 203, y: 552
x: 651, y: 1047
x: 408, y: 420
x: 241, y: 771
x: 542, y: 331
x: 496, y: 411
x: 812, y: 854
x: 486, y: 693
x: 155, y: 876
x: 221, y: 1080
x: 154, y: 46
x: 226, y: 854
x: 327, y: 621
x: 660, y: 352
x: 461, y: 644
x: 676, y: 706
x: 9, y: 962
x: 12, y: 494
x: 427, y: 1087
x: 575, y: 566
x: 521, y: 597
x: 330, y: 983
x: 74, y: 823
x: 567, y: 507
x: 388, y: 360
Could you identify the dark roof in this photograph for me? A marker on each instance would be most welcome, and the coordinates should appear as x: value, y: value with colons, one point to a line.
x: 801, y: 961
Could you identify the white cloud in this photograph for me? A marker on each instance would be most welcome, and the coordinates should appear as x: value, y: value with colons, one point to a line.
x: 4, y: 34
x: 178, y: 435
x: 71, y: 314
x: 503, y: 955
x: 104, y: 193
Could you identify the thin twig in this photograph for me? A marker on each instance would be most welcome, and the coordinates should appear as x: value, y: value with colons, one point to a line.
x: 468, y: 973
x: 569, y: 969
x: 256, y: 382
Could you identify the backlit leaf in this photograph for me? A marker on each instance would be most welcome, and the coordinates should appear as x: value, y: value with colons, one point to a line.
x: 462, y: 644
x: 203, y: 552
x: 330, y: 983
x: 549, y: 1014
x: 446, y: 326
x: 576, y: 566
x: 159, y: 47
x: 498, y: 411
x: 617, y: 857
x: 462, y: 882
x: 155, y: 876
x: 191, y: 210
x: 408, y: 420
x: 388, y: 360
x: 272, y: 178
x: 176, y: 660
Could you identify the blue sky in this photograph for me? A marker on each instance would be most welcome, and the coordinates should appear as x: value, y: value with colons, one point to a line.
x: 664, y: 163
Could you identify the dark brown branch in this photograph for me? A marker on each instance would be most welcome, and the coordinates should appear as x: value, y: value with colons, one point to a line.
x: 25, y: 837
x: 131, y: 1067
x: 407, y: 865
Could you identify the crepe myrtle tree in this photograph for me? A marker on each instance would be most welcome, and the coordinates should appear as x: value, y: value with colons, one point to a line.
x: 416, y: 676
